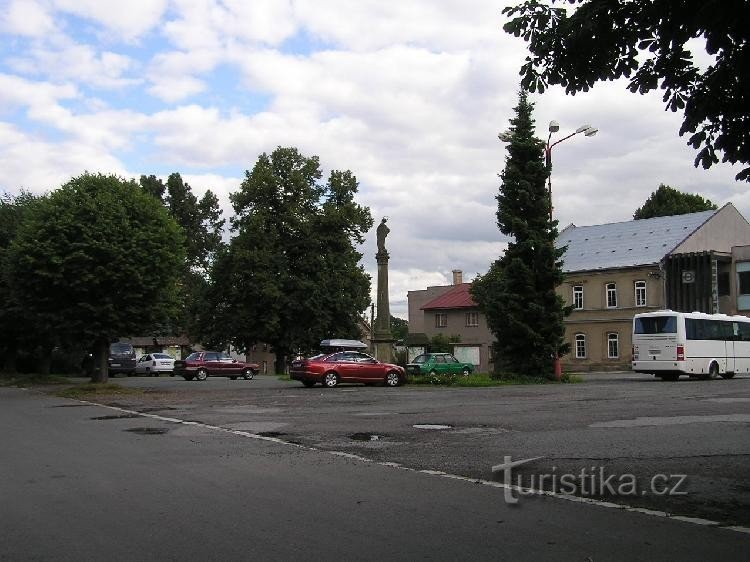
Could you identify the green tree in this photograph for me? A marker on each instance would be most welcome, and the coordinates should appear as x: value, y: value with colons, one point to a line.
x: 517, y: 294
x: 291, y: 275
x: 202, y: 225
x: 399, y: 328
x: 667, y: 201
x: 96, y: 259
x: 17, y: 327
x: 153, y: 186
x: 647, y: 42
x: 440, y: 343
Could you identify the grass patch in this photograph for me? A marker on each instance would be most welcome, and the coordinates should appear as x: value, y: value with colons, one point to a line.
x: 285, y: 378
x: 31, y: 380
x: 89, y: 390
x: 485, y: 380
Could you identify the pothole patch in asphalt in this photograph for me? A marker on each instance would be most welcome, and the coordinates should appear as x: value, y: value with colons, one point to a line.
x: 432, y: 426
x: 481, y: 430
x: 148, y: 430
x: 160, y: 409
x: 366, y: 436
x: 116, y: 417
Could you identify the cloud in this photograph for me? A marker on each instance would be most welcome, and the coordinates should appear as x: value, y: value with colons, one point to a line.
x: 27, y: 18
x: 410, y: 96
x: 53, y: 164
x: 79, y: 63
x: 128, y: 20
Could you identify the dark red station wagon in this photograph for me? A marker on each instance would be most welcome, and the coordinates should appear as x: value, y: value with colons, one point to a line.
x: 203, y: 364
x: 346, y: 366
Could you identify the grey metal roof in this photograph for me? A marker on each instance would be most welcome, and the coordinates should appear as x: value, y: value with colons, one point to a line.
x: 626, y: 244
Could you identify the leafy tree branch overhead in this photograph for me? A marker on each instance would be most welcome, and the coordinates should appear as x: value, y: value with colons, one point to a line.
x: 649, y: 42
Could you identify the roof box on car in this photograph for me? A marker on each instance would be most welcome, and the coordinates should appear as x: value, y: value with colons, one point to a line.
x: 342, y: 345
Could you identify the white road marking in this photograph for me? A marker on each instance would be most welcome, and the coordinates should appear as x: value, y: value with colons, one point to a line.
x: 436, y: 473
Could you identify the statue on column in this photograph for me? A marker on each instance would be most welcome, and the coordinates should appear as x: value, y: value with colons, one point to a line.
x: 381, y: 232
x: 382, y: 336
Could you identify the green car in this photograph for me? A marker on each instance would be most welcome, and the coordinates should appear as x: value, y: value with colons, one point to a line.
x: 438, y: 364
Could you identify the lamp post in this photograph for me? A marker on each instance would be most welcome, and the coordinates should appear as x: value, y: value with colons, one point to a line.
x: 554, y: 127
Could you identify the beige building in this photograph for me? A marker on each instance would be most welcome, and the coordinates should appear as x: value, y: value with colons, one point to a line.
x: 694, y: 262
x: 613, y: 271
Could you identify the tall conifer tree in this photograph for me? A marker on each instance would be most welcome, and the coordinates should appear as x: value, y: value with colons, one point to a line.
x: 518, y: 294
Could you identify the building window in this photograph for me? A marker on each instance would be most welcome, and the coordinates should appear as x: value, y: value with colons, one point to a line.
x: 441, y: 320
x: 613, y: 346
x: 640, y: 293
x: 472, y: 319
x: 611, y: 295
x: 578, y: 297
x: 744, y: 282
x: 580, y: 346
x: 723, y: 283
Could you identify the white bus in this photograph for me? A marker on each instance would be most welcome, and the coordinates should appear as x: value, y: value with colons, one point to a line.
x: 669, y: 344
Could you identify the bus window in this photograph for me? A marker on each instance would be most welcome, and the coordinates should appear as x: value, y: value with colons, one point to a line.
x: 656, y: 325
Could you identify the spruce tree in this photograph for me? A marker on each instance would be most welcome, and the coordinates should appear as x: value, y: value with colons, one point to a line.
x: 518, y: 294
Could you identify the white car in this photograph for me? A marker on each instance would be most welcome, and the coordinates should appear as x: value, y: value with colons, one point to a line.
x: 155, y: 363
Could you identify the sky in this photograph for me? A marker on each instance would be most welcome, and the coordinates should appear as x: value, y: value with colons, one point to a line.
x: 409, y: 95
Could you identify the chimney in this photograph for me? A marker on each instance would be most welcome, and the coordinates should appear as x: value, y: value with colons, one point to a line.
x: 458, y: 277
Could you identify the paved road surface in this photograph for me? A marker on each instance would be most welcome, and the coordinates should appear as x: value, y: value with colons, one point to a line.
x: 84, y: 482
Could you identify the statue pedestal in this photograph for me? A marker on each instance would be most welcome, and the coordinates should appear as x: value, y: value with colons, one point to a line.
x: 382, y: 336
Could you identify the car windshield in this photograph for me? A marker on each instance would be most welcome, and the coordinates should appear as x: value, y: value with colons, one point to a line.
x: 162, y: 356
x: 193, y: 357
x: 420, y: 359
x: 318, y: 356
x: 120, y: 348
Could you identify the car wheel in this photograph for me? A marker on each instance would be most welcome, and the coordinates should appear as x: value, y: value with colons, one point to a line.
x: 309, y: 384
x: 433, y: 373
x: 201, y: 375
x: 330, y: 380
x: 392, y: 379
x: 466, y: 372
x: 727, y: 375
x: 248, y: 374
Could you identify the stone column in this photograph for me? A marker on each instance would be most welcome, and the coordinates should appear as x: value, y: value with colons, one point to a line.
x: 382, y: 336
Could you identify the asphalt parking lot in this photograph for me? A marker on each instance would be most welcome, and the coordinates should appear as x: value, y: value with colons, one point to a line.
x: 692, y: 433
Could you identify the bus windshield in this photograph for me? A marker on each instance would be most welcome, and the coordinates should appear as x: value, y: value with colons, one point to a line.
x: 656, y: 325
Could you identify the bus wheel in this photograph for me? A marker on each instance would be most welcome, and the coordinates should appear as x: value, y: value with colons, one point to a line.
x: 727, y: 375
x: 713, y: 372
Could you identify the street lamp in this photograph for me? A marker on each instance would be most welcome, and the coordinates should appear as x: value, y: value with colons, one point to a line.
x: 554, y: 127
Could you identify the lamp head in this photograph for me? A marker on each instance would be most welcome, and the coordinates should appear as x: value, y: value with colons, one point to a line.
x: 554, y: 126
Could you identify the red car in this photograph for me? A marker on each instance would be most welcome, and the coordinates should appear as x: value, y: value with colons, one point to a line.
x: 346, y: 366
x: 203, y: 364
